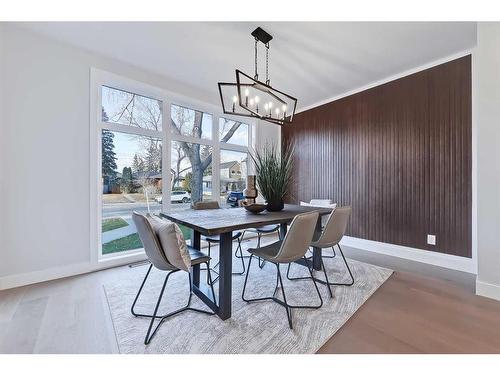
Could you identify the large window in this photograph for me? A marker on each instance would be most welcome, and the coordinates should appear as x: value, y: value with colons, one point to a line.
x: 140, y: 130
x: 131, y: 165
x: 131, y: 181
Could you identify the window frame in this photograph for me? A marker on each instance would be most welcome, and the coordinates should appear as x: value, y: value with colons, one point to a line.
x: 100, y: 78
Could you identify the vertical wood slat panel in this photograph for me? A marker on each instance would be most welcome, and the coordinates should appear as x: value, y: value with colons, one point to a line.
x: 399, y: 154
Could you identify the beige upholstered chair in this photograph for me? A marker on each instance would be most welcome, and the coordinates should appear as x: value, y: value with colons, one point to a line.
x: 260, y: 231
x: 331, y: 235
x: 292, y: 248
x: 215, y: 239
x: 163, y: 258
x: 326, y: 203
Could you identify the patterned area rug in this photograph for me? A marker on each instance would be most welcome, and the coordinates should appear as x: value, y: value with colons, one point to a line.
x: 259, y: 327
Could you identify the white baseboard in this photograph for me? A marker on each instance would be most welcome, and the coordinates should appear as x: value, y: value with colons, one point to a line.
x: 424, y: 256
x: 22, y: 279
x: 488, y: 290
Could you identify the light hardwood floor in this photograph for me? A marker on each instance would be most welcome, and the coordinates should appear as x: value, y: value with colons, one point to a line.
x: 413, y: 312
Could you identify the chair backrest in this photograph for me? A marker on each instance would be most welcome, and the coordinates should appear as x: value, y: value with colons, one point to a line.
x: 321, y: 202
x: 150, y: 241
x: 206, y: 205
x: 327, y: 203
x: 298, y: 237
x: 335, y: 227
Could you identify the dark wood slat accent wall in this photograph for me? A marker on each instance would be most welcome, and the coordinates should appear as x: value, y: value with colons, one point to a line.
x: 399, y: 154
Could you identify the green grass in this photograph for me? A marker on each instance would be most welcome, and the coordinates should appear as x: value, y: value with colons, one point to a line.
x: 113, y: 223
x: 129, y: 242
x: 132, y: 241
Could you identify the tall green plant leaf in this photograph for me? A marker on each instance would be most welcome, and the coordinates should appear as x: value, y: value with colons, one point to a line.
x: 274, y: 171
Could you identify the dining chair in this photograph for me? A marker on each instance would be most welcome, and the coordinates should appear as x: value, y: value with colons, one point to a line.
x: 260, y: 231
x: 292, y: 248
x: 167, y: 251
x: 330, y: 236
x: 326, y: 203
x: 215, y: 239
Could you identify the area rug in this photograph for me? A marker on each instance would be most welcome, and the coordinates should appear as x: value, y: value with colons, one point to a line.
x: 259, y: 327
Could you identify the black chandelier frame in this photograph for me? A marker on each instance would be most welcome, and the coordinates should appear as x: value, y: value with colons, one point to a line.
x: 262, y: 36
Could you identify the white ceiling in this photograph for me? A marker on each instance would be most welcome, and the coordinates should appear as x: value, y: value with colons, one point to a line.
x: 311, y: 61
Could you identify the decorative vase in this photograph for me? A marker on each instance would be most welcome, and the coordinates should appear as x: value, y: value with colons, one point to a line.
x: 275, y: 206
x: 250, y: 192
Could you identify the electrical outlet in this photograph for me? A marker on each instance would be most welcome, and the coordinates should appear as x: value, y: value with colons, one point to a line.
x: 431, y: 239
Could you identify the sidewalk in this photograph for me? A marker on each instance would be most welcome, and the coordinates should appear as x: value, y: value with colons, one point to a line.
x: 119, y: 232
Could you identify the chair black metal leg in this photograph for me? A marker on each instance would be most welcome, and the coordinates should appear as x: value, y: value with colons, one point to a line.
x: 241, y: 257
x: 208, y: 263
x: 348, y: 270
x: 233, y: 273
x: 246, y: 279
x: 315, y: 287
x: 276, y: 286
x: 283, y: 303
x: 326, y: 278
x: 262, y: 262
x: 236, y: 252
x: 326, y: 282
x: 317, y: 291
x: 287, y: 307
x: 295, y: 278
x: 149, y: 334
x: 140, y: 290
x: 210, y: 283
x: 331, y: 256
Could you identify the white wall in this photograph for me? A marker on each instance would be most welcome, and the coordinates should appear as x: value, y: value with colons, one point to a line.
x: 45, y: 153
x: 487, y: 114
x: 2, y: 147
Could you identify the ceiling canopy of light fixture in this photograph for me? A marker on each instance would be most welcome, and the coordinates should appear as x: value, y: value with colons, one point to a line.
x: 251, y: 97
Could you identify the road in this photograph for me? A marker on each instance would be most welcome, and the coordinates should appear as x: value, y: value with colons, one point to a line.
x: 124, y: 210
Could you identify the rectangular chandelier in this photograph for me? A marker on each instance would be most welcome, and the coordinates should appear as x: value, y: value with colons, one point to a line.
x: 250, y: 97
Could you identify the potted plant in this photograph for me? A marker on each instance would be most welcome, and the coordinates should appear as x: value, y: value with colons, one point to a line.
x: 274, y: 174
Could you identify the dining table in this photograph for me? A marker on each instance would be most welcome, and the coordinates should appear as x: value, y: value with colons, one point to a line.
x: 224, y: 222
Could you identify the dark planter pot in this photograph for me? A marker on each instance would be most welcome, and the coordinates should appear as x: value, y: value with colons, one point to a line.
x: 275, y: 206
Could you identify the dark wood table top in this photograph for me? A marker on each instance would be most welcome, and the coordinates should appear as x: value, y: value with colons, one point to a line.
x: 217, y: 221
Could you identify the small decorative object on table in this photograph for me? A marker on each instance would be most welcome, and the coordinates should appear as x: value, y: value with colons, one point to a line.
x: 274, y: 174
x: 254, y: 208
x: 250, y: 192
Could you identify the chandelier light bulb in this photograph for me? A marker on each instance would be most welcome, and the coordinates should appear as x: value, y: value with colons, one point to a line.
x: 270, y: 104
x: 247, y: 92
x: 251, y: 102
x: 266, y: 106
x: 235, y: 99
x: 284, y: 107
x: 257, y: 99
x: 277, y: 110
